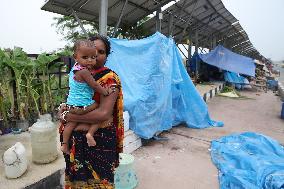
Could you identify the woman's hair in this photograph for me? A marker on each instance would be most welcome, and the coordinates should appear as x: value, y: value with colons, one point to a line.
x: 104, y: 39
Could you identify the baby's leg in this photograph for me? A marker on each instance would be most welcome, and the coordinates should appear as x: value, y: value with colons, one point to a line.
x: 106, y: 123
x: 69, y: 127
x: 93, y: 128
x: 90, y: 135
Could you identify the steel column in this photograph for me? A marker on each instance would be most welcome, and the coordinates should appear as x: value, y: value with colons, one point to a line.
x: 189, y: 53
x: 103, y: 17
x: 158, y: 20
x: 196, y: 51
x: 171, y: 21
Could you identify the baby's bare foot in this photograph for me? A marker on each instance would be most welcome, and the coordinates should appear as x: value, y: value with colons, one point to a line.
x: 64, y: 149
x: 90, y: 140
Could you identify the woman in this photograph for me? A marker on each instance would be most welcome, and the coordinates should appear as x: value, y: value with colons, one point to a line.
x: 93, y: 167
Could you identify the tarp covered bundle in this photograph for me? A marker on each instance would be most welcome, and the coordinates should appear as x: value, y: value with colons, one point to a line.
x: 227, y: 60
x: 158, y: 92
x: 236, y: 79
x: 248, y: 160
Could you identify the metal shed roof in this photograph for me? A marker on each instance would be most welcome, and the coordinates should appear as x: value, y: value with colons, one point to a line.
x: 89, y: 9
x: 210, y: 17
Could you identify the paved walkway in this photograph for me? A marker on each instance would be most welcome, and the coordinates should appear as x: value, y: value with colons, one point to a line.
x: 184, y: 160
x: 202, y: 88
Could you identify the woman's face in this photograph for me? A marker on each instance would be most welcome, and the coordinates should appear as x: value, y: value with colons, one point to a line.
x: 101, y: 53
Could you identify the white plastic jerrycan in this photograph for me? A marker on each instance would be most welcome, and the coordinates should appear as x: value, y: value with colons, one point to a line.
x: 15, y: 161
x: 43, y: 140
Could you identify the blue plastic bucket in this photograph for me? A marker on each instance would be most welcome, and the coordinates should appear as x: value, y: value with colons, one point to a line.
x: 125, y: 176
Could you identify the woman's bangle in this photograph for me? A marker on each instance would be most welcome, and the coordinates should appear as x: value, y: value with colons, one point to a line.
x: 63, y: 115
x: 61, y: 105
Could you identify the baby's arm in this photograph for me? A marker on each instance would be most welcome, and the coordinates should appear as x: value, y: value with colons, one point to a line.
x: 81, y: 111
x: 88, y: 78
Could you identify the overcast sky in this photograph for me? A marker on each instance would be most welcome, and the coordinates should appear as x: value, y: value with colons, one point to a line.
x: 263, y: 20
x: 23, y: 24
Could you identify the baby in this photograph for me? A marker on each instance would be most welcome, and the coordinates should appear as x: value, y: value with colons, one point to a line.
x: 81, y: 90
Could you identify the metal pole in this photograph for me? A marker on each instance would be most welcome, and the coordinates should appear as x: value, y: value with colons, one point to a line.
x: 119, y: 19
x: 225, y: 43
x: 103, y: 17
x: 196, y: 51
x: 214, y: 42
x: 80, y: 23
x: 189, y: 48
x: 158, y: 20
x: 171, y: 21
x: 189, y: 52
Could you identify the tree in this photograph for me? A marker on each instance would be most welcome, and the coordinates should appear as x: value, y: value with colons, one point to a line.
x: 70, y: 29
x: 134, y: 31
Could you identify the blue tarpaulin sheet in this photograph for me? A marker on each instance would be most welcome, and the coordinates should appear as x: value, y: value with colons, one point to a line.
x: 235, y: 79
x: 272, y: 84
x: 248, y: 161
x: 192, y: 64
x: 230, y: 61
x: 158, y: 92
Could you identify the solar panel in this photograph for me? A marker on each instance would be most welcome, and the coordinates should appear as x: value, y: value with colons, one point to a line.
x: 89, y: 9
x: 209, y: 18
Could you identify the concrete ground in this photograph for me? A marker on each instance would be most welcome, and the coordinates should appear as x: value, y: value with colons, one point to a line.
x: 35, y: 172
x: 183, y: 161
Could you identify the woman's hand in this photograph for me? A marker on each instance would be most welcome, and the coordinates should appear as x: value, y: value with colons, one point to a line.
x: 110, y: 89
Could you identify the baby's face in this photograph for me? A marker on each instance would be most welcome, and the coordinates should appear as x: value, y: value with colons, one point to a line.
x: 86, y: 56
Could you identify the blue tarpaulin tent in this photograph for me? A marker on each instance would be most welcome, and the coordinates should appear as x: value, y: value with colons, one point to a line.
x: 248, y: 161
x: 230, y: 61
x: 158, y: 92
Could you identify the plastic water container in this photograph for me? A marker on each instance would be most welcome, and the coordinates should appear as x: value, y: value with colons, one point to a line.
x: 282, y: 111
x: 43, y: 140
x: 125, y: 177
x: 15, y: 161
x: 126, y: 118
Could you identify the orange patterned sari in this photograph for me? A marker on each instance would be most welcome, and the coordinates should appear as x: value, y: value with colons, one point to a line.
x: 93, y: 167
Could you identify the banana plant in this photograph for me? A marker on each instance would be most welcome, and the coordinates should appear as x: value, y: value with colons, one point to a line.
x: 42, y: 65
x: 16, y: 61
x: 3, y: 112
x: 5, y: 91
x: 32, y: 86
